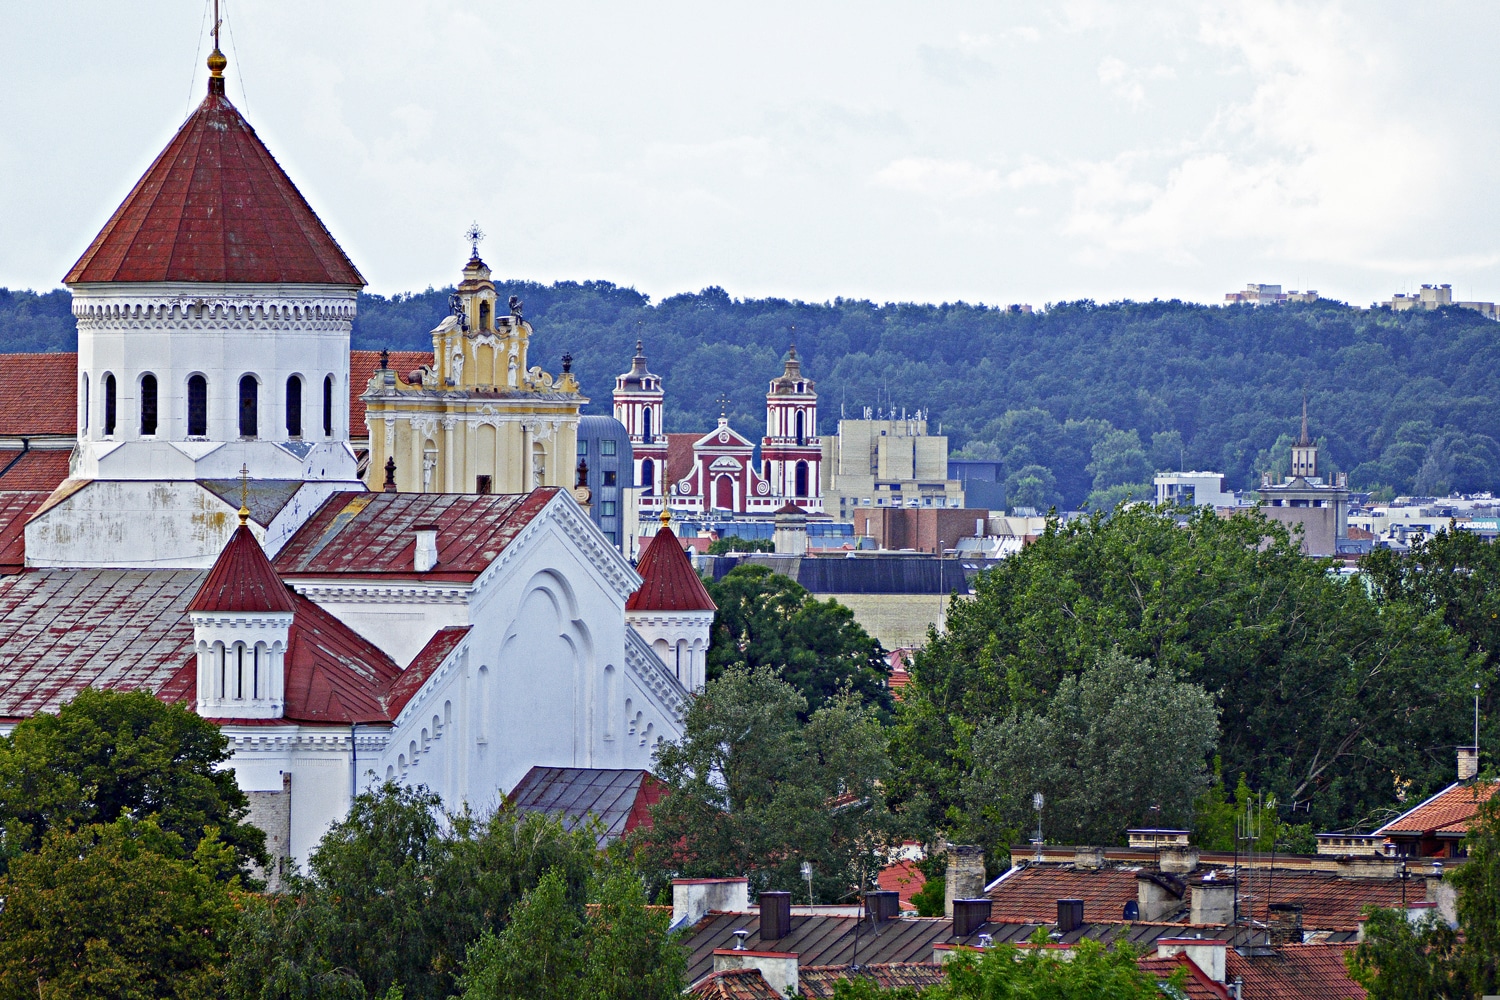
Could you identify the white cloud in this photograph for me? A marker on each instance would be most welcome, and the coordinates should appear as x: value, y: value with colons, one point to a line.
x: 1128, y: 83
x: 953, y: 179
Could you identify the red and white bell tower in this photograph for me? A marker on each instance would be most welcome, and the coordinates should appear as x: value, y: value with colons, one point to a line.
x: 638, y: 405
x: 791, y: 454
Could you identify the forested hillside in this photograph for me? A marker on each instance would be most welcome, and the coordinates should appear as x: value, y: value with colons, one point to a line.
x: 1077, y: 398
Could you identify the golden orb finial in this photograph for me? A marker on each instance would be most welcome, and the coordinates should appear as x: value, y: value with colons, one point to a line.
x: 244, y: 495
x: 666, y: 514
x: 217, y: 62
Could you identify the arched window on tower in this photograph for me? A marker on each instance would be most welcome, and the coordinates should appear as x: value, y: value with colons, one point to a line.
x: 249, y: 406
x: 802, y: 479
x: 294, y: 406
x: 801, y: 427
x: 484, y: 315
x: 328, y: 406
x: 148, y: 404
x: 648, y: 476
x: 109, y: 404
x: 197, y: 406
x: 646, y: 426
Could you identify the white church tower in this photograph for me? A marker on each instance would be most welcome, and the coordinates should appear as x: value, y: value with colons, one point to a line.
x: 638, y: 399
x: 214, y: 312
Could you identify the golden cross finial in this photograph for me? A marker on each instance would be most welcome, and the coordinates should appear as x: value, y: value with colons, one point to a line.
x: 244, y: 494
x: 723, y: 402
x: 216, y: 60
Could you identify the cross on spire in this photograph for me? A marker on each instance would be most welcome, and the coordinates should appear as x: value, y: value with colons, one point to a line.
x: 474, y: 234
x: 244, y: 495
x: 723, y: 402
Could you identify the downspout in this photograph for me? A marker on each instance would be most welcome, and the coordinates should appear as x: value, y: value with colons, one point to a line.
x: 353, y: 762
x: 25, y: 447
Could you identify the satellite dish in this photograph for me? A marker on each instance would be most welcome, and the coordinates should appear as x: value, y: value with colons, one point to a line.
x: 1132, y: 910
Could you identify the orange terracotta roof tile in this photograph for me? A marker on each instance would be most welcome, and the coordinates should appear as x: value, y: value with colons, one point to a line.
x: 903, y: 877
x: 816, y: 982
x: 1449, y: 811
x: 33, y: 470
x: 363, y: 364
x: 1295, y: 972
x: 1032, y: 893
x: 16, y: 508
x: 1197, y: 986
x: 735, y: 984
x: 38, y: 394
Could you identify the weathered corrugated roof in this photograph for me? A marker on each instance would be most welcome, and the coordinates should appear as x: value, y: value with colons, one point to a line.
x: 668, y: 580
x: 1447, y: 812
x: 16, y: 508
x: 421, y: 667
x: 242, y: 580
x: 64, y: 630
x: 373, y: 534
x: 39, y: 394
x: 884, y: 574
x: 619, y: 798
x: 215, y: 206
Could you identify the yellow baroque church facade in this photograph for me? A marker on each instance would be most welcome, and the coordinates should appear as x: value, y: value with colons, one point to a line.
x: 478, y: 419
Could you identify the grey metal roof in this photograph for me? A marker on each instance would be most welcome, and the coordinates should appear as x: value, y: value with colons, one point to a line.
x: 883, y: 574
x: 577, y: 793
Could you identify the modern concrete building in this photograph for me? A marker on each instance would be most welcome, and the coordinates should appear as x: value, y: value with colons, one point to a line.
x: 606, y: 465
x: 1194, y: 489
x: 886, y: 462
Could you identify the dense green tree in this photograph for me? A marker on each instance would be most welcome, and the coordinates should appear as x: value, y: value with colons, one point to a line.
x: 1114, y: 742
x: 733, y: 543
x: 396, y: 893
x: 1478, y: 884
x: 1402, y: 960
x: 1229, y: 381
x: 1306, y: 667
x: 123, y: 911
x: 768, y: 620
x: 756, y: 791
x: 1032, y: 486
x: 621, y: 949
x: 108, y: 754
x: 1005, y: 972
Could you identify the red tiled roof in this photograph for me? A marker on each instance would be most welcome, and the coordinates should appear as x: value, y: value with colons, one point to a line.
x: 903, y: 877
x: 668, y: 581
x: 680, y: 455
x: 373, y: 534
x: 363, y: 364
x: 421, y: 667
x: 1197, y: 986
x: 1449, y: 811
x: 242, y: 580
x: 215, y: 207
x: 38, y: 394
x: 735, y: 984
x: 1295, y: 972
x: 817, y: 981
x: 1032, y: 893
x: 16, y: 508
x: 38, y: 469
x: 333, y: 673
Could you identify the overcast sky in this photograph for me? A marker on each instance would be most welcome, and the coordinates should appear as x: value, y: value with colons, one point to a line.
x: 985, y: 151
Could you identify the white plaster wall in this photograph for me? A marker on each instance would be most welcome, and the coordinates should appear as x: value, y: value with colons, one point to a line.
x: 222, y: 332
x: 679, y: 640
x: 133, y: 524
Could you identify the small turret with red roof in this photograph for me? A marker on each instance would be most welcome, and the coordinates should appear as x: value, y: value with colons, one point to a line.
x: 672, y: 610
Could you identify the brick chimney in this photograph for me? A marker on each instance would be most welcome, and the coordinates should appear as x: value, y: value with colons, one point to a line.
x: 1088, y: 857
x: 1468, y: 763
x: 1212, y: 902
x: 1206, y: 955
x: 1158, y: 894
x: 775, y: 915
x: 778, y: 967
x: 1286, y: 923
x: 965, y: 876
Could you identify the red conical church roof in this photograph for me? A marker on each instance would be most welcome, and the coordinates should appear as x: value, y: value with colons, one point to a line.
x: 215, y: 207
x: 669, y: 581
x: 242, y: 580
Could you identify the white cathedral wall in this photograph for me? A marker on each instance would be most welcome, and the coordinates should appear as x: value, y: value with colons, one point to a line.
x: 222, y: 332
